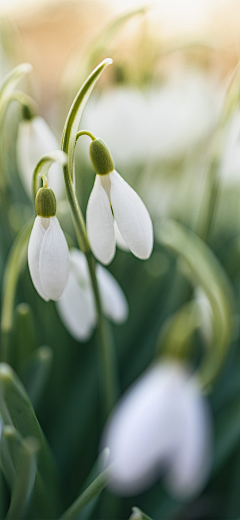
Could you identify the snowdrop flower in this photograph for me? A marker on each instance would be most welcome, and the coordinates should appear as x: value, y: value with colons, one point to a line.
x: 76, y: 306
x: 177, y: 115
x: 112, y: 198
x: 161, y: 427
x: 34, y: 140
x: 48, y: 257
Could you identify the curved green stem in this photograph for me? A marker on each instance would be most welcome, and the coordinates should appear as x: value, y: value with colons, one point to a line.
x: 43, y: 166
x: 69, y: 137
x: 85, y: 132
x: 16, y: 259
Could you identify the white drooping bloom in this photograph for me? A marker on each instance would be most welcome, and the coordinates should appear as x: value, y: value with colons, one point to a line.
x: 48, y: 258
x: 34, y: 140
x: 112, y: 195
x: 161, y: 427
x: 159, y: 123
x: 76, y: 306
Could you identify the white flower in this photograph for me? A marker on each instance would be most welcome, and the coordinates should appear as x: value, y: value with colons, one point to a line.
x: 160, y: 427
x: 155, y: 124
x: 76, y: 306
x: 111, y: 193
x: 48, y: 258
x: 34, y: 140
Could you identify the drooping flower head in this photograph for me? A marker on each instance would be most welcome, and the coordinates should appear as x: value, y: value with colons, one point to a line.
x: 113, y: 199
x: 76, y: 306
x: 48, y: 257
x: 161, y: 427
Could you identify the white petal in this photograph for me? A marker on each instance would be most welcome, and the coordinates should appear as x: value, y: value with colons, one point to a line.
x: 191, y: 463
x: 34, y: 140
x: 100, y: 223
x: 34, y: 248
x: 132, y: 217
x: 76, y: 309
x: 54, y: 260
x: 114, y: 302
x: 119, y: 239
x: 79, y: 267
x: 142, y: 432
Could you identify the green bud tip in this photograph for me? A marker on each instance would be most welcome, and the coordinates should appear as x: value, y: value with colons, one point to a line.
x: 100, y: 156
x: 45, y: 203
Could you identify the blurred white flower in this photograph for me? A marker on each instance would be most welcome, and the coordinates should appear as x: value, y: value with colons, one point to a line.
x: 76, y: 306
x: 34, y: 140
x: 161, y: 427
x: 48, y: 258
x: 161, y: 123
x: 230, y: 164
x: 112, y: 195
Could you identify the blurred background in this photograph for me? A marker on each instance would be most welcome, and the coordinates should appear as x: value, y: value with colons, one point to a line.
x: 172, y: 88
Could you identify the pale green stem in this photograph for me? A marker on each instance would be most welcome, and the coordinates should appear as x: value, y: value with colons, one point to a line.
x: 16, y: 258
x: 43, y: 165
x: 109, y: 377
x: 87, y: 496
x: 85, y: 132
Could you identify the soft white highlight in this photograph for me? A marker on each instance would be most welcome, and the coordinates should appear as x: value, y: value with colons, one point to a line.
x: 161, y: 427
x: 48, y: 258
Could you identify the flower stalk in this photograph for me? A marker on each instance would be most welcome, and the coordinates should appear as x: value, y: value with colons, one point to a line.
x: 70, y: 135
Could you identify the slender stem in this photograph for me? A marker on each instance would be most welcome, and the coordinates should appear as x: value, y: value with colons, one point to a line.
x: 15, y: 261
x: 85, y: 132
x: 109, y: 377
x: 108, y: 361
x: 87, y: 496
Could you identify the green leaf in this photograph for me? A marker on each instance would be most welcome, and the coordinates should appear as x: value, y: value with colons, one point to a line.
x: 35, y: 372
x: 86, y: 497
x: 74, y: 116
x: 11, y: 80
x: 204, y: 269
x: 18, y: 460
x: 17, y: 258
x: 24, y: 334
x: 16, y: 410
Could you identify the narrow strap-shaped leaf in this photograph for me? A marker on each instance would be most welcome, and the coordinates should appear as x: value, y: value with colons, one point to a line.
x: 16, y: 260
x: 11, y: 80
x: 35, y: 372
x: 86, y: 497
x: 19, y: 465
x: 24, y: 335
x: 204, y: 270
x: 16, y: 410
x: 75, y: 113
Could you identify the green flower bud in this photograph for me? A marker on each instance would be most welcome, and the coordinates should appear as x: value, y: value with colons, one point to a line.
x: 100, y: 156
x: 45, y: 203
